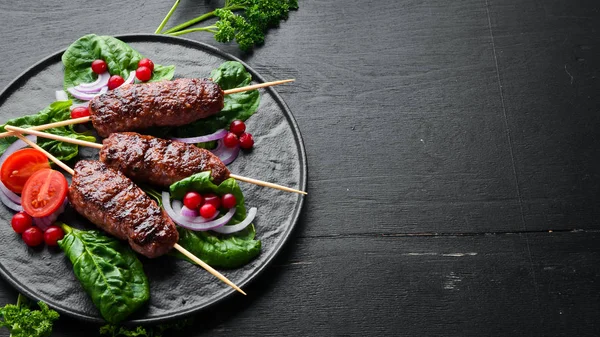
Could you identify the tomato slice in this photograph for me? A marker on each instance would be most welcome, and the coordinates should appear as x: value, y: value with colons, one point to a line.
x: 19, y: 166
x: 44, y: 193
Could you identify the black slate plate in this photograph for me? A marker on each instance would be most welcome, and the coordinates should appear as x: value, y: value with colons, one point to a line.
x: 177, y: 287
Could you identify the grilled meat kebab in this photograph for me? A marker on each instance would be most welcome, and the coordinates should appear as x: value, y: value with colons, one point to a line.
x: 166, y: 103
x: 158, y: 161
x: 114, y: 203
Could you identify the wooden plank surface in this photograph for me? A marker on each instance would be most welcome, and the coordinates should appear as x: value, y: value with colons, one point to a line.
x: 444, y: 141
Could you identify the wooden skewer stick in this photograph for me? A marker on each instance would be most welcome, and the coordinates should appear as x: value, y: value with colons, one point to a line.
x: 99, y: 146
x: 207, y: 267
x: 256, y: 86
x: 53, y: 136
x: 265, y: 184
x: 88, y: 118
x: 176, y: 246
x: 50, y: 125
x: 48, y: 154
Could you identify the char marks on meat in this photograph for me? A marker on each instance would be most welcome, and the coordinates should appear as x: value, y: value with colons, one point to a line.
x: 166, y: 103
x: 158, y: 161
x: 114, y: 203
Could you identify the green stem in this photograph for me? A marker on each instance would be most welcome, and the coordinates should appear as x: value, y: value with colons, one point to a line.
x: 198, y: 19
x: 166, y: 19
x: 191, y: 22
x: 19, y: 300
x: 211, y: 29
x: 65, y: 228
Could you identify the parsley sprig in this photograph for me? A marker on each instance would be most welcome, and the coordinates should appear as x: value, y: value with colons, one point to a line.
x: 242, y: 21
x: 21, y: 321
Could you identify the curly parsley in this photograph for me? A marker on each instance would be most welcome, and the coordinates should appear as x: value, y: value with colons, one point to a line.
x: 242, y: 21
x: 21, y: 321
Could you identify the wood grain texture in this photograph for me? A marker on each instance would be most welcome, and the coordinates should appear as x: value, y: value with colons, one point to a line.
x: 444, y: 140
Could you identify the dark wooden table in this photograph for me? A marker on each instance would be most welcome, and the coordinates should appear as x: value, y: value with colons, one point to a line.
x: 452, y: 147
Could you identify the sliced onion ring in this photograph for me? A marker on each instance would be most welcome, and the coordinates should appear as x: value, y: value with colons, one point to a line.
x: 188, y: 213
x: 85, y: 96
x: 129, y: 79
x: 6, y: 200
x: 177, y: 206
x: 101, y: 81
x: 202, y: 139
x: 236, y: 228
x: 226, y: 154
x: 96, y: 86
x: 18, y: 144
x: 44, y: 222
x: 10, y: 194
x: 194, y: 225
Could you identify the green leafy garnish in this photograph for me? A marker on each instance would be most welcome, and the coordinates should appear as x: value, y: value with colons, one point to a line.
x: 242, y: 21
x: 228, y: 251
x: 120, y: 58
x: 108, y: 270
x: 21, y: 321
x: 55, y: 112
x: 228, y: 75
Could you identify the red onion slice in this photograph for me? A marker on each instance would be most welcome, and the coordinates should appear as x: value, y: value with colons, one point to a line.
x: 178, y: 206
x: 90, y: 90
x: 226, y: 154
x: 188, y: 213
x: 85, y: 96
x: 129, y: 79
x: 236, y: 228
x: 18, y: 144
x: 192, y: 225
x: 101, y: 81
x: 44, y: 222
x: 202, y: 139
x: 61, y: 95
x: 8, y: 203
x: 10, y: 194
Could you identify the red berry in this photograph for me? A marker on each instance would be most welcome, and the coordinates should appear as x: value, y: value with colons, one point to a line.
x: 207, y: 211
x: 79, y: 112
x: 238, y: 127
x: 230, y: 140
x: 212, y: 199
x: 228, y: 201
x: 52, y: 235
x: 115, y: 81
x: 146, y: 63
x: 143, y: 74
x: 192, y: 200
x: 99, y: 67
x: 246, y: 141
x: 33, y: 236
x: 21, y: 221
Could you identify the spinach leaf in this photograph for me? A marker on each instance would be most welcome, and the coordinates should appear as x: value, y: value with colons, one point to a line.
x: 230, y: 251
x: 55, y: 112
x: 109, y: 271
x: 120, y: 58
x: 218, y: 250
x: 229, y: 75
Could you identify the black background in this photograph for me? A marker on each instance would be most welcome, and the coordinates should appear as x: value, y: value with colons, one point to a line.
x: 452, y: 158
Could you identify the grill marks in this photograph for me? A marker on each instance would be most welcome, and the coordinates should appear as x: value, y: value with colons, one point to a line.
x: 158, y: 161
x: 114, y: 203
x: 166, y: 103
